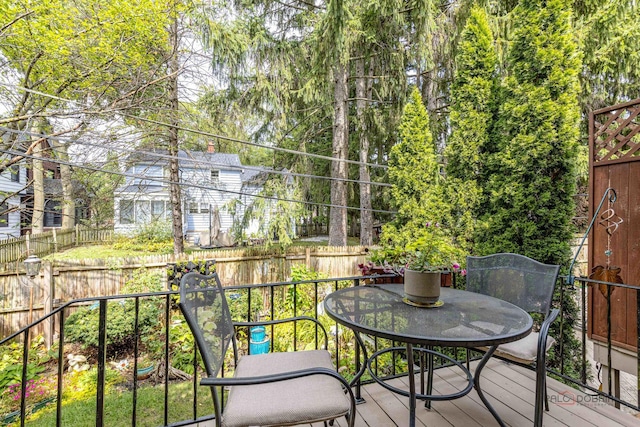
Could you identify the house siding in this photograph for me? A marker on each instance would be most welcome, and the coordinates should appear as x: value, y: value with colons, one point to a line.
x: 10, y: 226
x: 210, y: 181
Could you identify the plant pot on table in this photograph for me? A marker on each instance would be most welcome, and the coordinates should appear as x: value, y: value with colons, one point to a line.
x: 422, y: 287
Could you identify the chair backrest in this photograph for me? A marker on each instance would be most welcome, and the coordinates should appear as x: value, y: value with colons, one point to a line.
x: 515, y: 278
x: 205, y: 308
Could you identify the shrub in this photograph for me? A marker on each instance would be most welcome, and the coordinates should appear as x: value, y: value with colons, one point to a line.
x: 82, y: 326
x: 155, y: 236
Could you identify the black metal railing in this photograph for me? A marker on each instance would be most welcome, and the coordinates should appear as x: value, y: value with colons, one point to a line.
x: 249, y: 303
x: 606, y: 392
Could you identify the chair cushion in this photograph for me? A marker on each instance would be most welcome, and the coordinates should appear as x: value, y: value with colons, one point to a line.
x: 301, y: 400
x: 524, y: 350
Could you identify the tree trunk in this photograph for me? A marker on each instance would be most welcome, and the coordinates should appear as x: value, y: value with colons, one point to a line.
x: 37, y: 216
x: 68, y: 198
x: 174, y: 172
x: 338, y: 212
x: 366, y: 216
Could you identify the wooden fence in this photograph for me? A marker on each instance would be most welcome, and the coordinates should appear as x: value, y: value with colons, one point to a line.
x: 23, y: 300
x: 41, y: 244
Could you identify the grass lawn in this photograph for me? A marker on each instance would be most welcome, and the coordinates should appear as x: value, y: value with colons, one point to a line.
x: 108, y: 251
x: 118, y: 408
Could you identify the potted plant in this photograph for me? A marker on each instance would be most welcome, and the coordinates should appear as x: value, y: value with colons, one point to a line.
x: 421, y: 262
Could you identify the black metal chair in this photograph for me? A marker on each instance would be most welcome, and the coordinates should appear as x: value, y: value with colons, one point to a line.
x: 273, y: 389
x: 528, y: 284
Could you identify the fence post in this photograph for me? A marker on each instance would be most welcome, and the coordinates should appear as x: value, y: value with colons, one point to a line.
x: 48, y: 296
x: 55, y: 241
x: 77, y: 242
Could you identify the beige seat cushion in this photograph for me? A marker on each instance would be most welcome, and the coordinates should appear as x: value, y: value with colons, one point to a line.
x: 308, y: 399
x: 524, y: 350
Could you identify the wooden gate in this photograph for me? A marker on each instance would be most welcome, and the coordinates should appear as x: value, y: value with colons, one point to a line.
x: 614, y: 162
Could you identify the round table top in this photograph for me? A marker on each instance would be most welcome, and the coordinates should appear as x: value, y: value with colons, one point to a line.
x: 465, y: 319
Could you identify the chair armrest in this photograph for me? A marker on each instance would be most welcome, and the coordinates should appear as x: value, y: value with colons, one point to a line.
x: 289, y: 319
x: 544, y: 332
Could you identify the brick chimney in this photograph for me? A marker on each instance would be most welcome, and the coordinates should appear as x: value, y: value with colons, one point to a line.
x: 211, y: 148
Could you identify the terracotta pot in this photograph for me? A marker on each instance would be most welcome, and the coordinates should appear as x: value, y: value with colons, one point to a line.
x: 378, y: 281
x: 446, y: 279
x: 422, y: 286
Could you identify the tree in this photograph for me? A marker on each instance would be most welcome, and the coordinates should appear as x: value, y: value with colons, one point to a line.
x: 100, y: 181
x: 532, y: 175
x: 415, y: 175
x: 275, y: 212
x: 175, y: 196
x: 471, y: 120
x: 71, y: 62
x: 533, y: 178
x: 609, y: 34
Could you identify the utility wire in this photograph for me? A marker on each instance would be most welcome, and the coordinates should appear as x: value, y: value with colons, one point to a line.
x: 191, y: 159
x: 188, y: 185
x: 202, y: 133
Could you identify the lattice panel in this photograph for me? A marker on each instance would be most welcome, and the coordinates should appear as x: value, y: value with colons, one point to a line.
x: 617, y: 134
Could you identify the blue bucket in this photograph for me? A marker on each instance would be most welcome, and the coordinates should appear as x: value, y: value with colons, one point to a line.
x: 259, y: 342
x: 257, y: 333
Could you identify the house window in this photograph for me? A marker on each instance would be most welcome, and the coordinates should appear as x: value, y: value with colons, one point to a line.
x: 158, y: 209
x: 193, y: 208
x: 126, y: 211
x: 143, y: 211
x: 15, y: 173
x: 215, y: 177
x: 82, y: 212
x: 204, y: 208
x: 4, y: 215
x: 52, y: 213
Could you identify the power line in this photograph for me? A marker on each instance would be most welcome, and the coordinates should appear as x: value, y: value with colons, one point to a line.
x: 190, y: 159
x: 203, y: 133
x: 188, y: 185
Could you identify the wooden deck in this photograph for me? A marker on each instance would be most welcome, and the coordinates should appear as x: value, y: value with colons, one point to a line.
x: 509, y: 388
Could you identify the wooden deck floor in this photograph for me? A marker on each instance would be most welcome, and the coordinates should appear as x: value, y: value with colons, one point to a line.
x: 509, y: 388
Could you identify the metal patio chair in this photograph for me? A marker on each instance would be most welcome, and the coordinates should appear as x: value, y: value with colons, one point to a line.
x: 272, y: 389
x: 528, y: 284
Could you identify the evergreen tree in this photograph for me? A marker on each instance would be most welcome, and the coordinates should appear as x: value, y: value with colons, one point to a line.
x: 532, y: 175
x: 414, y: 174
x: 471, y: 118
x: 533, y: 178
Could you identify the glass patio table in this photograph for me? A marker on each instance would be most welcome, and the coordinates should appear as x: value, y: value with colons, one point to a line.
x: 464, y: 319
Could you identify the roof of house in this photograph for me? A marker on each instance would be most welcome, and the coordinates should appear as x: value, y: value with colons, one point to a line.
x: 193, y: 158
x: 253, y: 175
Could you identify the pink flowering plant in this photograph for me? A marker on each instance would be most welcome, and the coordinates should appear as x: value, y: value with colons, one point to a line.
x: 36, y: 390
x: 429, y: 249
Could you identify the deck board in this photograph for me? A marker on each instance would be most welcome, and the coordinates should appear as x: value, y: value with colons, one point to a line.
x: 509, y: 388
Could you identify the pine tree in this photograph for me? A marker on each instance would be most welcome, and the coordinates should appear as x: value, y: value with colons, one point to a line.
x: 471, y: 118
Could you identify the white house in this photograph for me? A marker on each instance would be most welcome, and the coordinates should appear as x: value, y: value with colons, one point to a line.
x: 12, y: 187
x: 210, y: 181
